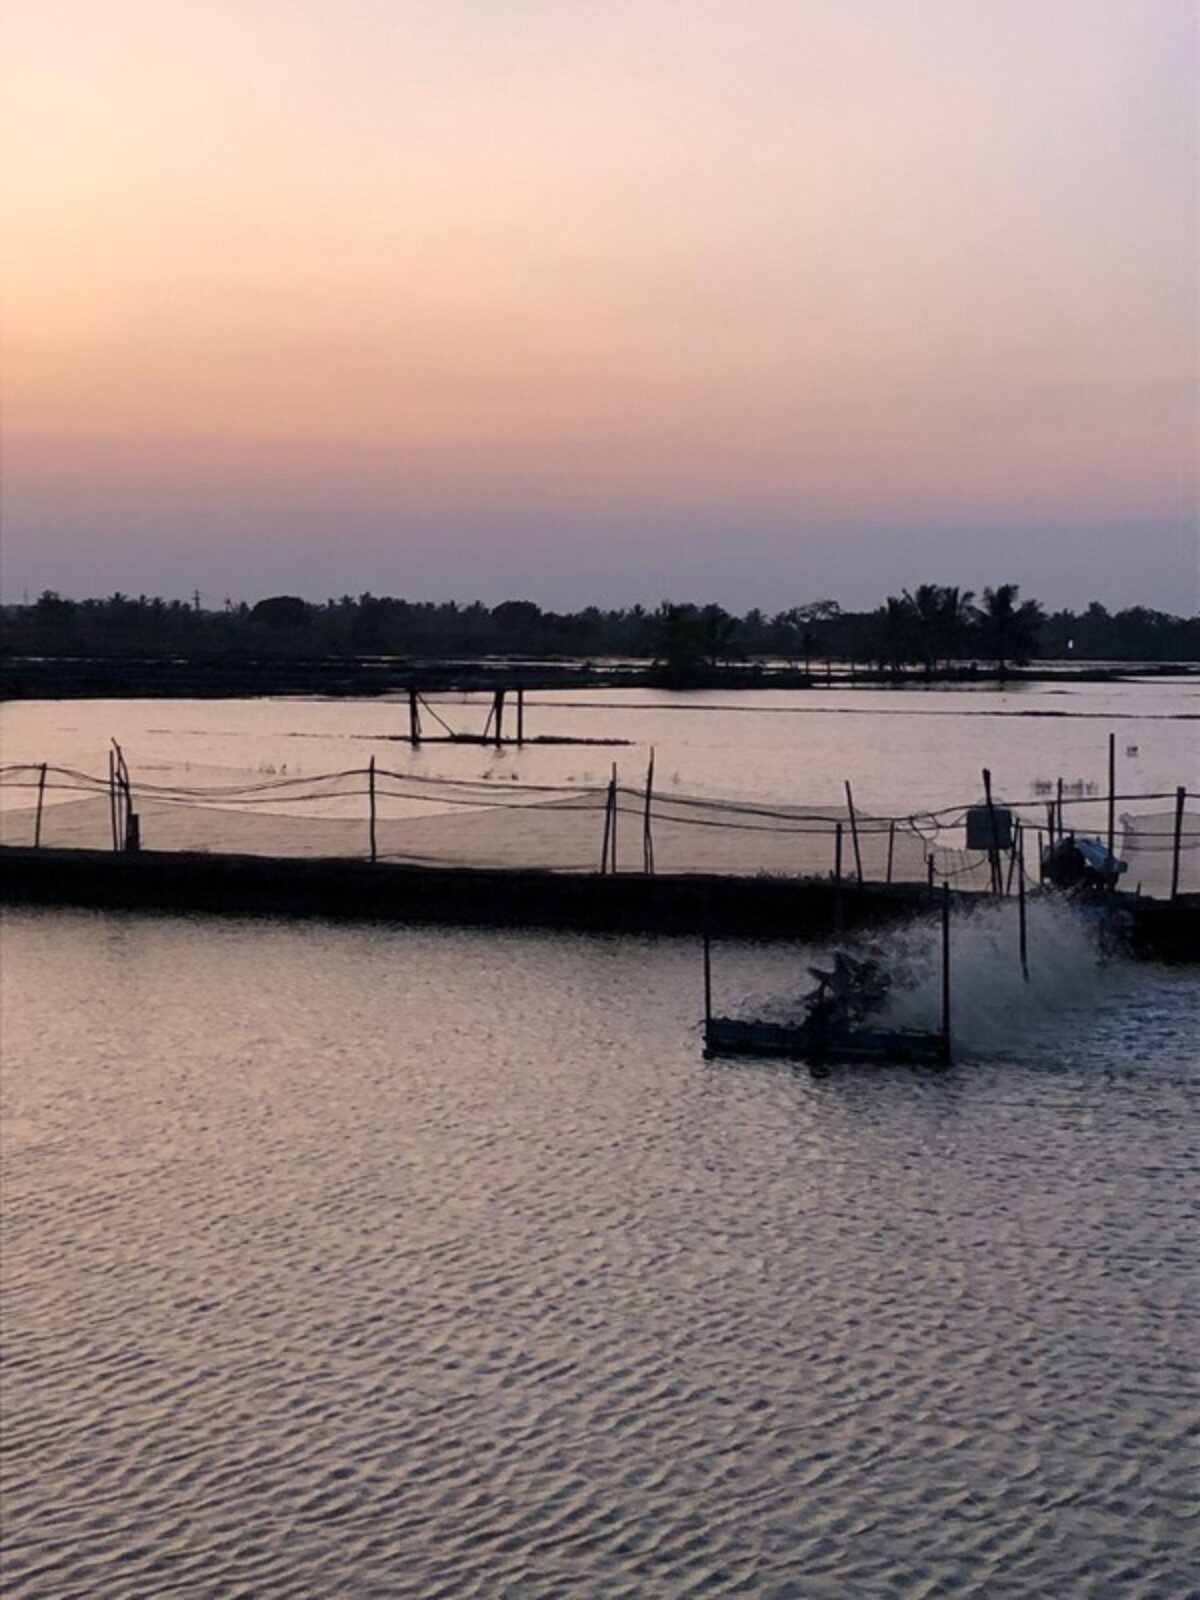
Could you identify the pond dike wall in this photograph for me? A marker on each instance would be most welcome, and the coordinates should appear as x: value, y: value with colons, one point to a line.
x: 767, y: 908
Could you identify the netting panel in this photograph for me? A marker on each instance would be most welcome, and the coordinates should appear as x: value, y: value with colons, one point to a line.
x: 1148, y: 848
x: 480, y: 822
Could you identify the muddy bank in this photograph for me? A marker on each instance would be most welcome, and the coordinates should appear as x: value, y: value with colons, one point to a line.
x: 769, y: 908
x: 238, y: 676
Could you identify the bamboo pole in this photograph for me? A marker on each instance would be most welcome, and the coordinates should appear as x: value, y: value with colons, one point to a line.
x: 1112, y: 791
x: 1059, y: 828
x: 854, y: 834
x: 41, y: 796
x: 612, y: 838
x: 707, y: 983
x: 1022, y: 932
x: 994, y: 851
x: 520, y: 715
x: 371, y: 794
x: 1177, y: 846
x: 946, y: 973
x: 112, y: 799
x: 125, y: 797
x: 891, y: 849
x: 647, y: 834
x: 608, y: 817
x: 837, y: 878
x: 129, y: 831
x: 414, y: 717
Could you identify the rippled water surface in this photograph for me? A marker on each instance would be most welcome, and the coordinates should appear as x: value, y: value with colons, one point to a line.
x: 372, y: 1262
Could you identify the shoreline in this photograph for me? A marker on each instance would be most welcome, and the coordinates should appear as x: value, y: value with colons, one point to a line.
x: 236, y: 677
x: 766, y: 909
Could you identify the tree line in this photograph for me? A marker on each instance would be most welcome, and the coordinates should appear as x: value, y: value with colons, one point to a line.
x: 929, y: 630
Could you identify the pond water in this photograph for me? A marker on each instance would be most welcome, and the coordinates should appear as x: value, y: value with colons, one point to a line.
x: 901, y: 750
x: 393, y: 1262
x: 389, y: 1262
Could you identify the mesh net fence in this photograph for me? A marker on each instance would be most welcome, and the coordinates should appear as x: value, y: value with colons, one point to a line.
x: 1148, y: 849
x: 437, y: 821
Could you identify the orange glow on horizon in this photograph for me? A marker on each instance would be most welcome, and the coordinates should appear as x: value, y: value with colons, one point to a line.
x: 849, y: 258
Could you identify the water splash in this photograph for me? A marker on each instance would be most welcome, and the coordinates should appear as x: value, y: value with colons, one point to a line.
x: 992, y: 1004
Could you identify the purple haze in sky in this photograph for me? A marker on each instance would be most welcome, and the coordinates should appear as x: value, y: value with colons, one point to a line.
x: 601, y: 303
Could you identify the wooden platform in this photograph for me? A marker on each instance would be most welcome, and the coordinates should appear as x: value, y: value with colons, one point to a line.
x: 733, y: 1036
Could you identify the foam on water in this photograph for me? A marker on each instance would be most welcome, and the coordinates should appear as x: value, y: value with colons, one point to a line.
x: 996, y: 1011
x: 994, y: 1007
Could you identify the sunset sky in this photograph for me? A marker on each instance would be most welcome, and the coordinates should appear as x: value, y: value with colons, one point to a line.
x: 600, y: 300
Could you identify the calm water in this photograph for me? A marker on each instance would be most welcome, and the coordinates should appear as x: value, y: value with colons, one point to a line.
x: 901, y: 750
x: 370, y: 1262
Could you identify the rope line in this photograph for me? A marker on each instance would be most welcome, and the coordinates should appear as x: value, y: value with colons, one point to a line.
x: 682, y: 809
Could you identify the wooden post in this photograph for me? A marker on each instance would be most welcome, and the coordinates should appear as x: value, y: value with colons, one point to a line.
x: 498, y: 705
x: 946, y: 973
x: 37, y: 821
x: 1112, y: 791
x: 1180, y: 797
x: 612, y: 800
x: 371, y: 794
x: 128, y: 826
x: 1021, y: 929
x: 930, y: 869
x: 1050, y: 823
x: 520, y: 715
x: 854, y: 834
x: 414, y: 717
x: 1012, y: 858
x: 891, y: 848
x: 608, y: 819
x: 112, y: 800
x: 837, y: 879
x: 707, y: 983
x: 647, y: 835
x: 1041, y: 854
x: 1058, y: 833
x: 994, y: 852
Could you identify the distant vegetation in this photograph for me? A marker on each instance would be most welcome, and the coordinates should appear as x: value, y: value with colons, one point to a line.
x: 928, y: 631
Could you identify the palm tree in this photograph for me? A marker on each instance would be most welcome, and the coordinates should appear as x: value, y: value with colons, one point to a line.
x: 677, y: 646
x: 719, y: 635
x: 894, y: 635
x: 940, y: 614
x: 1009, y: 629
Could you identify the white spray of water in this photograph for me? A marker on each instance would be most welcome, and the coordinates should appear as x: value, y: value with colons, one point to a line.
x: 992, y: 1005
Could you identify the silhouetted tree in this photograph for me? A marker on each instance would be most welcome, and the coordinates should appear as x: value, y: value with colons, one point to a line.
x: 718, y: 632
x: 1008, y: 629
x: 941, y: 615
x: 281, y: 612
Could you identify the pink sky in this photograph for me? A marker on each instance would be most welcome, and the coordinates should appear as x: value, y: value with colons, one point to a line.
x: 599, y: 302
